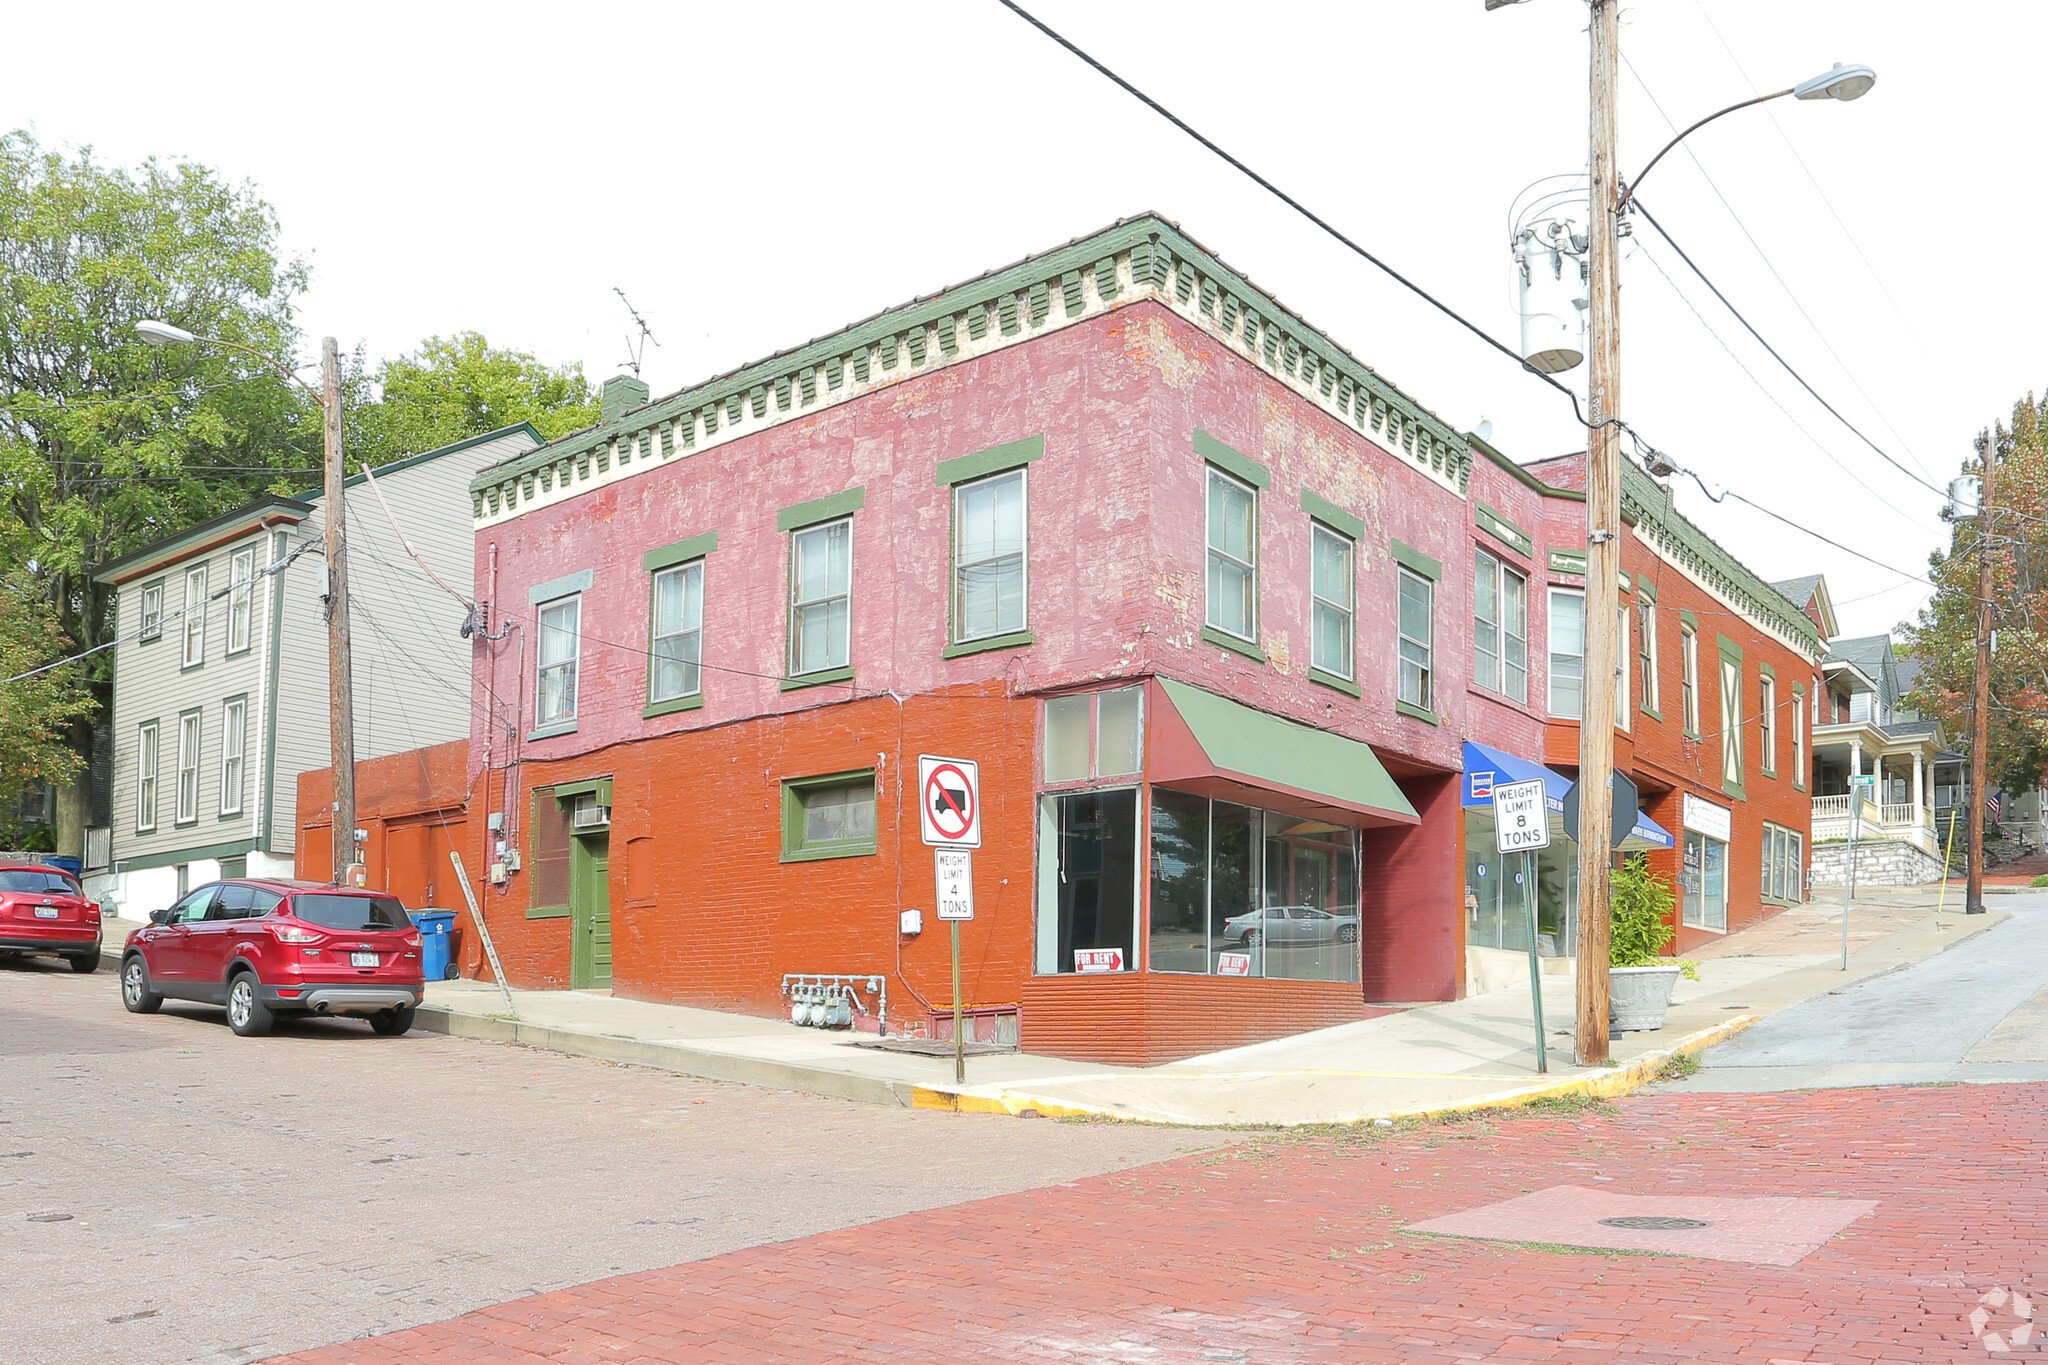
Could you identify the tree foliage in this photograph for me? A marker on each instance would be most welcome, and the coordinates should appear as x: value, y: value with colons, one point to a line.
x: 36, y: 714
x: 1944, y: 638
x: 1640, y: 924
x: 455, y: 387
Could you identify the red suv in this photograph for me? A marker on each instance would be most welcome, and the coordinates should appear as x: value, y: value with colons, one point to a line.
x: 265, y: 948
x: 43, y: 911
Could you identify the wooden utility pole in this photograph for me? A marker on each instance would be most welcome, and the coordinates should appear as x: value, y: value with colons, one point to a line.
x: 340, y: 686
x: 1603, y: 547
x: 1980, y: 710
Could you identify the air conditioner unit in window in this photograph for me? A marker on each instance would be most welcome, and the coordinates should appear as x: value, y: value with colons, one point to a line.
x: 590, y: 815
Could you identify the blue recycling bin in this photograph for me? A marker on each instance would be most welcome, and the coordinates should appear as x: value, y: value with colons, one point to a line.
x: 75, y: 866
x: 435, y: 926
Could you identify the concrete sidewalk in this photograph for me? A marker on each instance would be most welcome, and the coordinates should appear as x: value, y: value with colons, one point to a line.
x: 1473, y: 1053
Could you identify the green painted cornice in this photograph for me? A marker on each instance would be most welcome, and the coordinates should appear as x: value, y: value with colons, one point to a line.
x: 1139, y: 258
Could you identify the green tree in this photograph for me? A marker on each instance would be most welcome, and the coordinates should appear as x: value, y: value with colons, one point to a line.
x: 1944, y: 637
x: 36, y: 713
x: 107, y: 443
x: 455, y: 387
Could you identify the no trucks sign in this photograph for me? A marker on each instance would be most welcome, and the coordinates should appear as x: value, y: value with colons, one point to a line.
x: 949, y: 805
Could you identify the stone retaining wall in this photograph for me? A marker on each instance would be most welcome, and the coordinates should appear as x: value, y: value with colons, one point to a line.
x: 1879, y: 862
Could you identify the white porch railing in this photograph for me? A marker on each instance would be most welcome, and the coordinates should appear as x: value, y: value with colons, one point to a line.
x: 1892, y: 820
x: 1902, y: 813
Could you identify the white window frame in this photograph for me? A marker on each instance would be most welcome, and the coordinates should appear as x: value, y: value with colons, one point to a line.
x: 1500, y: 572
x: 679, y: 573
x: 241, y: 602
x: 234, y: 734
x: 1689, y: 677
x: 147, y: 756
x: 960, y: 566
x: 149, y: 623
x: 1347, y: 609
x: 1731, y: 722
x: 1653, y: 695
x: 1767, y: 727
x: 794, y: 602
x: 194, y: 624
x: 1209, y: 551
x: 1798, y: 741
x: 574, y: 663
x: 1402, y: 575
x: 1554, y: 654
x: 190, y: 735
x: 1623, y: 657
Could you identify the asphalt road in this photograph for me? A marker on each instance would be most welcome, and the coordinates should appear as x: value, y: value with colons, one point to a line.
x: 1976, y: 1013
x: 228, y: 1199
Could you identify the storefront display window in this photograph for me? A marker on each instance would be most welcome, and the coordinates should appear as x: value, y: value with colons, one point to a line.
x: 1239, y: 891
x: 1503, y: 889
x: 1703, y: 870
x: 1087, y: 881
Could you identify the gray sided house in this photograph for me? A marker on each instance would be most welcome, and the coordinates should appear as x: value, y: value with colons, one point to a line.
x: 220, y: 677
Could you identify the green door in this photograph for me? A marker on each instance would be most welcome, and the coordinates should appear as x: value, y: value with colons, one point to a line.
x: 590, y: 957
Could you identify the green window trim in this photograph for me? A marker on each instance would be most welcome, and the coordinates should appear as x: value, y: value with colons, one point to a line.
x: 1734, y: 791
x: 1331, y: 680
x: 1331, y: 515
x: 549, y: 912
x: 1567, y: 561
x: 600, y: 786
x: 568, y: 585
x: 1730, y: 651
x: 693, y: 702
x: 1412, y: 558
x: 177, y: 773
x: 794, y: 850
x: 241, y: 811
x: 1414, y: 712
x: 818, y: 679
x: 155, y: 726
x: 1653, y: 714
x: 1646, y: 589
x: 995, y: 460
x: 1225, y: 640
x: 679, y: 552
x: 1764, y: 668
x: 1231, y: 462
x: 158, y: 584
x: 1627, y: 583
x: 549, y: 731
x: 830, y: 508
x: 1503, y: 530
x: 1016, y: 639
x: 191, y: 855
x: 1689, y: 619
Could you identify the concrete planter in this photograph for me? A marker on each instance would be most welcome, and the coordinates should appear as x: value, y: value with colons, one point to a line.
x: 1638, y: 996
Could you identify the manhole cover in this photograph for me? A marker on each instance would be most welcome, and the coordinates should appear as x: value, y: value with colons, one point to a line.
x: 1649, y: 1223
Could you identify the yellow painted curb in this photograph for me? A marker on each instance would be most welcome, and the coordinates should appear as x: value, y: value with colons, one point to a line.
x: 1622, y: 1080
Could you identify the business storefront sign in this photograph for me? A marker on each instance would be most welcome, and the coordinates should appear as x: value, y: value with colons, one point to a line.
x: 1716, y: 822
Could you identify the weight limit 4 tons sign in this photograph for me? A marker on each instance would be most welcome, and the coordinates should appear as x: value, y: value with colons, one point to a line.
x: 949, y: 805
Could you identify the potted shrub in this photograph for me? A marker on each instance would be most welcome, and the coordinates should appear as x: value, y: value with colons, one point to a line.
x: 1641, y: 978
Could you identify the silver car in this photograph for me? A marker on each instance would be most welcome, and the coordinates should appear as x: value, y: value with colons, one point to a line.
x: 1293, y: 924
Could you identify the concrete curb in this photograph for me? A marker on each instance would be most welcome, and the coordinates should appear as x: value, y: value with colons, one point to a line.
x: 667, y: 1056
x: 1621, y: 1080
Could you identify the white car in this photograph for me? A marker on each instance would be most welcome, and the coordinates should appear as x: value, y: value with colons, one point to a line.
x: 1293, y: 924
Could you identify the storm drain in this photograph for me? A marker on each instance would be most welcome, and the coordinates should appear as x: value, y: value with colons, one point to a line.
x: 1650, y: 1223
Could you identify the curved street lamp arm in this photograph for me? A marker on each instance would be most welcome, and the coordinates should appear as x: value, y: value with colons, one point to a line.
x: 1628, y: 192
x: 273, y: 363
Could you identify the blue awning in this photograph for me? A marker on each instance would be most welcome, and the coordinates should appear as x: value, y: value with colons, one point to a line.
x: 1485, y: 766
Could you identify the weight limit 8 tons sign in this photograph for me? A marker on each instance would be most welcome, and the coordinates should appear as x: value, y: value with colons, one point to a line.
x: 949, y: 805
x: 1520, y: 822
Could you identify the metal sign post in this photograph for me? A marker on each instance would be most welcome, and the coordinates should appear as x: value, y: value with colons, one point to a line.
x: 1521, y: 824
x: 1858, y: 785
x: 955, y: 871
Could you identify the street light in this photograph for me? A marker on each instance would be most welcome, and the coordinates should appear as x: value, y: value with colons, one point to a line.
x: 340, y: 689
x: 1604, y: 526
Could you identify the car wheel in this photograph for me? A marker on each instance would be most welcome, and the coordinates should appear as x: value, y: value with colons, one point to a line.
x: 83, y: 963
x: 1251, y: 938
x: 135, y: 991
x: 1347, y: 933
x: 394, y: 1023
x: 248, y: 1016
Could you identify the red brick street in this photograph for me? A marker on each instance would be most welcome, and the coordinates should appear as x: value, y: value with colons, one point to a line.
x: 1291, y: 1247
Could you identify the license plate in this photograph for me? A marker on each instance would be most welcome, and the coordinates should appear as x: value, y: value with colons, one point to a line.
x: 46, y: 912
x: 363, y: 959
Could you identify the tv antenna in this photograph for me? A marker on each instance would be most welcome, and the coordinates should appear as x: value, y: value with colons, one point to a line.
x: 636, y: 347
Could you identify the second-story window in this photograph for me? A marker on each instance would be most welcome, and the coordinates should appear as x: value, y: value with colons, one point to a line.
x: 145, y: 776
x: 1567, y: 653
x: 1689, y: 677
x: 242, y: 576
x: 1233, y: 572
x: 1798, y: 740
x: 188, y: 767
x: 678, y: 634
x: 1731, y: 721
x: 1500, y: 628
x: 820, y: 597
x: 233, y: 734
x: 1652, y: 693
x: 1418, y: 643
x: 1623, y: 713
x: 561, y: 650
x: 195, y: 616
x: 1767, y: 726
x: 988, y: 557
x: 152, y: 624
x: 1331, y: 590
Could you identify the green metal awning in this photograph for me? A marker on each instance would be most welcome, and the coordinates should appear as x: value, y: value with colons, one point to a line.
x: 1249, y: 749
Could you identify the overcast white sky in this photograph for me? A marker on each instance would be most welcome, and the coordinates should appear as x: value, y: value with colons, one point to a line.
x: 756, y: 175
